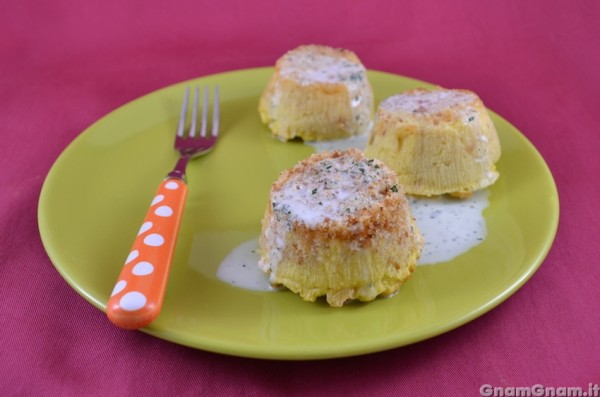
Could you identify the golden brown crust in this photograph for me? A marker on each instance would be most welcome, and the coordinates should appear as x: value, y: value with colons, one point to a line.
x: 356, y: 241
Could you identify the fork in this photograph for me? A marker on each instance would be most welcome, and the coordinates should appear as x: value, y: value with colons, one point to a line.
x: 137, y: 297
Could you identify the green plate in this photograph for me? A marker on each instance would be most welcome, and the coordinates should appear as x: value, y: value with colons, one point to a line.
x: 96, y: 194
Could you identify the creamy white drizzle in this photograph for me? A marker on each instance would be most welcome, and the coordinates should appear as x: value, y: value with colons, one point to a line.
x: 240, y: 268
x: 330, y: 190
x: 309, y: 67
x: 450, y: 227
x: 428, y: 101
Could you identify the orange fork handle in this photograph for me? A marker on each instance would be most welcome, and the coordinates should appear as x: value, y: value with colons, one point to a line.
x: 138, y: 295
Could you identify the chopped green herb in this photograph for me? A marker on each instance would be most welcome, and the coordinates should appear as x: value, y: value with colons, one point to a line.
x: 394, y: 189
x: 314, y: 191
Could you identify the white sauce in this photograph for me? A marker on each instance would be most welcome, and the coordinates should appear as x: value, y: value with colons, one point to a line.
x: 330, y: 190
x: 428, y: 101
x: 309, y: 67
x: 240, y: 268
x: 449, y: 226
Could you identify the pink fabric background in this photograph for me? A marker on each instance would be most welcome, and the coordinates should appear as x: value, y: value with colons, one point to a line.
x: 64, y: 64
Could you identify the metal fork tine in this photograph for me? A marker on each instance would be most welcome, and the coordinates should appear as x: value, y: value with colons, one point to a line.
x: 194, y: 114
x: 184, y: 105
x: 204, y: 112
x: 215, y: 120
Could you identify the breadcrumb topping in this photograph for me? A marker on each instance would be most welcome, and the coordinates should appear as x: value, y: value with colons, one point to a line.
x: 332, y: 187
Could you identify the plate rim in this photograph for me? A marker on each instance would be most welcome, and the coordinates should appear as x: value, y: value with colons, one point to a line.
x: 301, y: 352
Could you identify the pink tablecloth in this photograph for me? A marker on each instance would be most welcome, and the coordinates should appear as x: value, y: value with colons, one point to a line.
x: 64, y: 64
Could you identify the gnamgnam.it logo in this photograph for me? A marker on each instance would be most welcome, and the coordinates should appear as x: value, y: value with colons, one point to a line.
x: 593, y: 390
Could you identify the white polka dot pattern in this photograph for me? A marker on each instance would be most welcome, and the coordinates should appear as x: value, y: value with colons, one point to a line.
x: 172, y: 185
x: 132, y: 255
x: 137, y: 296
x: 154, y: 240
x: 133, y: 300
x: 145, y: 227
x: 142, y: 269
x: 164, y: 211
x: 120, y: 286
x: 157, y: 199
